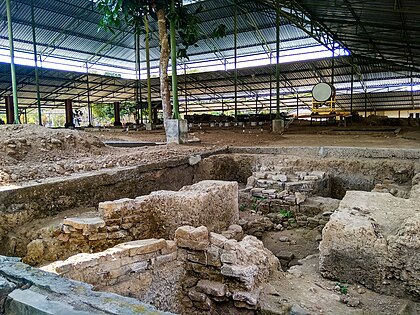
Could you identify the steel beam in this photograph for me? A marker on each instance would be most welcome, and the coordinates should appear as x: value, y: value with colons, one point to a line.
x: 12, y: 62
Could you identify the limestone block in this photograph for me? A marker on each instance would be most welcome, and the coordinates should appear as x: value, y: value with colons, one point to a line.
x: 319, y: 174
x: 279, y: 177
x: 169, y: 248
x: 163, y: 259
x: 217, y: 239
x: 211, y: 287
x: 30, y: 302
x: 84, y: 223
x: 228, y: 257
x: 299, y: 186
x: 373, y: 239
x: 250, y: 298
x: 300, y: 198
x: 5, y: 288
x: 117, y: 234
x: 115, y: 209
x: 243, y: 273
x: 139, y: 266
x: 192, y: 238
x: 213, y: 256
x: 142, y: 246
x: 35, y: 251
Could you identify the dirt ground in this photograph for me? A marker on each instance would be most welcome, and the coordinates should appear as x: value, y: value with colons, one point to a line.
x: 31, y: 152
x: 408, y: 137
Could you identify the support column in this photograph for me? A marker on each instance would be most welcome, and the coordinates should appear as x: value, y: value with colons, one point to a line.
x: 235, y: 43
x: 365, y: 104
x: 149, y: 83
x: 117, y: 118
x: 88, y: 97
x: 10, y: 116
x: 333, y: 64
x: 38, y: 98
x: 256, y: 106
x: 351, y: 90
x: 185, y: 89
x: 12, y: 62
x: 69, y: 114
x: 139, y: 103
x: 277, y: 59
x: 175, y: 104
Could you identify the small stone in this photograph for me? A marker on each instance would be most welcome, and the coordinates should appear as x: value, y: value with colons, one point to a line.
x: 194, y: 159
x: 247, y: 297
x: 260, y: 175
x: 56, y: 141
x: 353, y: 302
x: 300, y: 198
x: 192, y: 238
x: 142, y: 246
x: 361, y: 290
x: 196, y: 296
x: 269, y: 191
x: 283, y: 239
x: 285, y: 255
x: 298, y: 310
x: 211, y: 287
x: 217, y: 239
x: 228, y: 258
x: 318, y: 174
x: 280, y: 178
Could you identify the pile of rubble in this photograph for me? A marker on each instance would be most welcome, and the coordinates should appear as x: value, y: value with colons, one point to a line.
x: 286, y: 200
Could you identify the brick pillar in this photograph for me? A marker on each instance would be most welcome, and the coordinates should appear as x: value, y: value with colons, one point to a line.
x: 117, y: 121
x: 69, y: 114
x: 10, y: 111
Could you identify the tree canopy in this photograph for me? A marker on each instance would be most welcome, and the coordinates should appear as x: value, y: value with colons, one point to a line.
x: 135, y: 13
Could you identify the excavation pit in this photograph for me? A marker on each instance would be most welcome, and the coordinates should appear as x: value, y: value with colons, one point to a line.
x: 286, y: 196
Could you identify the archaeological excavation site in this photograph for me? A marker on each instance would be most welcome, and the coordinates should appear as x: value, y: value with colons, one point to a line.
x: 241, y: 157
x: 205, y: 229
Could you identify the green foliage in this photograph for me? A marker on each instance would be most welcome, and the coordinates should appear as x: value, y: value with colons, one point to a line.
x: 242, y: 207
x: 256, y: 202
x: 115, y: 13
x: 105, y: 112
x: 343, y: 288
x: 285, y: 213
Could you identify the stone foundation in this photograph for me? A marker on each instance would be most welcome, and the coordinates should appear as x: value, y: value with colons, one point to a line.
x: 27, y: 290
x: 210, y: 203
x: 373, y: 239
x: 198, y: 272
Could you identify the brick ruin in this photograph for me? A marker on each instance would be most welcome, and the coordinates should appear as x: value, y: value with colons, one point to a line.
x: 198, y: 271
x: 188, y: 252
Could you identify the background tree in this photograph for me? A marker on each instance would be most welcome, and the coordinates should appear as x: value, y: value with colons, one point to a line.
x: 132, y: 12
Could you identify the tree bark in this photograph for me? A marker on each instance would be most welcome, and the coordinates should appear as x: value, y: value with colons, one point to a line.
x: 163, y: 65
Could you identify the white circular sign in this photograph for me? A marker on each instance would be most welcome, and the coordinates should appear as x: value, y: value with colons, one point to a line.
x: 322, y: 92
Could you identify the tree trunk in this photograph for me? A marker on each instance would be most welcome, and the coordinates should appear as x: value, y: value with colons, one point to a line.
x: 163, y: 65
